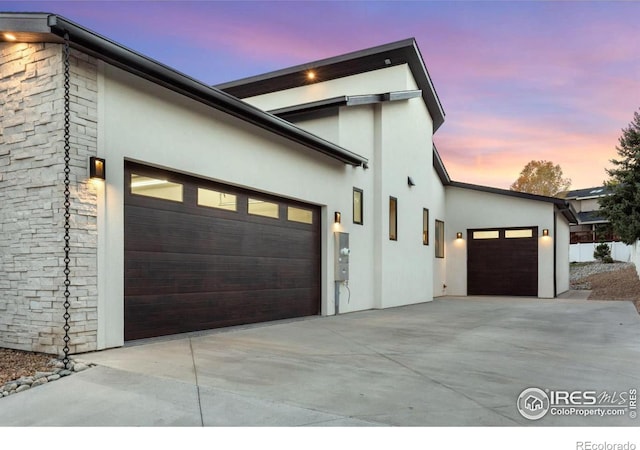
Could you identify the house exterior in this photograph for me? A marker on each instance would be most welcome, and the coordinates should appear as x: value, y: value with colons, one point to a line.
x: 592, y: 229
x: 272, y: 197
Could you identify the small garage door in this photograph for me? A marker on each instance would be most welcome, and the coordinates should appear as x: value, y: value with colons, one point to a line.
x: 502, y: 261
x: 201, y: 255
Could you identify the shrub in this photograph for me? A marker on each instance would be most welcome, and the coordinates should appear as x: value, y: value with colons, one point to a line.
x: 603, y: 253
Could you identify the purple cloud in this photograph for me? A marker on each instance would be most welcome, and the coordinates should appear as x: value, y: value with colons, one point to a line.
x: 518, y: 80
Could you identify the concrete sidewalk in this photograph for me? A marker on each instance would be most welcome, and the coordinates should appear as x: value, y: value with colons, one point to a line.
x: 454, y: 361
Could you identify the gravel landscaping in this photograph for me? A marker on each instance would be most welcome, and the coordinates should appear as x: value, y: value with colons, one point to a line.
x: 583, y: 270
x: 20, y: 371
x: 615, y: 281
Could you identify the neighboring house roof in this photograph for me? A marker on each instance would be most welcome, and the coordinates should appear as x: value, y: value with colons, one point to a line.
x: 563, y: 206
x: 45, y: 27
x: 587, y: 193
x: 591, y: 217
x: 388, y: 55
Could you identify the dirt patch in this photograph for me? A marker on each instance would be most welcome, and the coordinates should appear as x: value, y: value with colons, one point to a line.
x: 619, y: 285
x: 15, y: 364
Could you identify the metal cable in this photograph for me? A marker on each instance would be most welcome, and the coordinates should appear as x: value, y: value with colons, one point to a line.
x: 67, y: 202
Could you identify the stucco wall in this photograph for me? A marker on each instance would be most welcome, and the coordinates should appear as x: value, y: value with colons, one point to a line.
x: 143, y: 122
x: 374, y: 82
x: 468, y: 209
x: 438, y: 211
x: 31, y: 194
x: 397, y: 139
x: 561, y: 238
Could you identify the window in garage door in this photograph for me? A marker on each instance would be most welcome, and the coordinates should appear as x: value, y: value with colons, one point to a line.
x: 155, y: 187
x: 263, y: 208
x: 217, y: 199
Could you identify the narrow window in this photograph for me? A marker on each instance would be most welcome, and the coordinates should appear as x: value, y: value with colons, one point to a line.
x: 155, y: 187
x: 425, y: 226
x: 216, y: 199
x: 262, y: 208
x: 439, y: 239
x: 393, y: 218
x: 357, y: 206
x: 299, y: 215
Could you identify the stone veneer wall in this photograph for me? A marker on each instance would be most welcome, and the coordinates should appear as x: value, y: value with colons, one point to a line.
x: 32, y: 199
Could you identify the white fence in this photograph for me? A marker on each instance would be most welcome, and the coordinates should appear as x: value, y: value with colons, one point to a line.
x: 635, y: 255
x: 619, y: 252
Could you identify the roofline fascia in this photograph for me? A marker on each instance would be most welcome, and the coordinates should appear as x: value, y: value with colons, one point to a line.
x: 147, y: 68
x: 593, y: 222
x: 416, y: 65
x: 441, y: 170
x: 321, y: 62
x: 345, y: 100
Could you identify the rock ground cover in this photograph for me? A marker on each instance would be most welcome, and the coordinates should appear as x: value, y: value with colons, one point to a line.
x: 616, y: 281
x: 20, y: 371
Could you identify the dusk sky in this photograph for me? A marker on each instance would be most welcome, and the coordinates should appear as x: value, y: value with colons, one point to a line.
x: 518, y: 80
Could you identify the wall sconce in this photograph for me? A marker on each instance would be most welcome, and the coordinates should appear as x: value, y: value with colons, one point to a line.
x: 337, y: 217
x: 458, y: 235
x: 410, y: 182
x: 97, y: 168
x: 545, y: 232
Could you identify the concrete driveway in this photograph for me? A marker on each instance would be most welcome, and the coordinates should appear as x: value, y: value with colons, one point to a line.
x: 454, y: 361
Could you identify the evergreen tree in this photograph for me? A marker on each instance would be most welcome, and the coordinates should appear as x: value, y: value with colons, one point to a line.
x: 622, y: 207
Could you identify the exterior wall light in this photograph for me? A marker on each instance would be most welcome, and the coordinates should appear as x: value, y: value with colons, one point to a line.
x: 10, y: 37
x: 458, y: 235
x: 311, y: 75
x: 97, y: 168
x: 545, y: 232
x: 410, y: 182
x: 337, y: 217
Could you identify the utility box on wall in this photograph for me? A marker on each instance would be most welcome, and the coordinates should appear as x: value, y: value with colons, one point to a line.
x: 341, y: 255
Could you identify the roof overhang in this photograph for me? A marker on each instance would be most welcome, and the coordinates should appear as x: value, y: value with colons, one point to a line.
x: 330, y: 105
x: 45, y: 27
x: 388, y: 55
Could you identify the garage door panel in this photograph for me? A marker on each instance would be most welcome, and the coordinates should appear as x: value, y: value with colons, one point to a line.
x: 189, y: 267
x: 180, y: 313
x: 173, y: 232
x: 502, y: 266
x: 174, y: 273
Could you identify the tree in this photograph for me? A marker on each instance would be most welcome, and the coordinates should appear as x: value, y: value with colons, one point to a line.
x: 622, y: 206
x: 542, y: 178
x: 603, y: 253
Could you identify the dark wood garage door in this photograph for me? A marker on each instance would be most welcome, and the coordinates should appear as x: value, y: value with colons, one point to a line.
x: 502, y: 261
x: 201, y: 255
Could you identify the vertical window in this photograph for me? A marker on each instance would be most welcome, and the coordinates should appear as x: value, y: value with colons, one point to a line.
x: 357, y: 206
x: 393, y: 218
x: 439, y: 239
x: 425, y: 226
